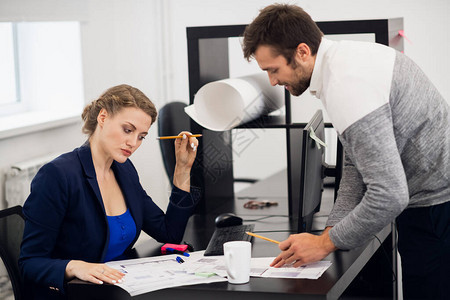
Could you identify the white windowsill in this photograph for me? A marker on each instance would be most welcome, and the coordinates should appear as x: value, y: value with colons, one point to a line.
x: 28, y: 122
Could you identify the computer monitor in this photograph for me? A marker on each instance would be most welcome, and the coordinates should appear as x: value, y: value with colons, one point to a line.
x: 312, y: 172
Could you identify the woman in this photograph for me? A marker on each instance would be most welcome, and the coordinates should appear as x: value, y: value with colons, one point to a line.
x: 87, y: 206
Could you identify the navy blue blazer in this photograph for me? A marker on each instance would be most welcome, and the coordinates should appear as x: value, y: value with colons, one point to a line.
x: 66, y: 219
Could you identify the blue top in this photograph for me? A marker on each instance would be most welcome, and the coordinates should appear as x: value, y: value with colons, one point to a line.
x: 122, y: 231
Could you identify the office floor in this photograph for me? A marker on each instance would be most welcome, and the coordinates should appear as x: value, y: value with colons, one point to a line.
x: 6, y: 292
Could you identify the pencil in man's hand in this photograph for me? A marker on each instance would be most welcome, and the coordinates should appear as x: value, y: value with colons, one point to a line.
x: 171, y: 137
x: 262, y: 237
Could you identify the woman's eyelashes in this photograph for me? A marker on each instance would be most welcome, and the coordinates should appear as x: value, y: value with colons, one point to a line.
x: 128, y: 130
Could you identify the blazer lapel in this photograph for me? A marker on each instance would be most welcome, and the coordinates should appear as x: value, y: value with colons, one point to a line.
x: 85, y: 156
x: 121, y: 172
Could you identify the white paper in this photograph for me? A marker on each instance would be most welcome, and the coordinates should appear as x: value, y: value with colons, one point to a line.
x: 154, y: 273
x: 224, y: 104
x: 259, y: 267
x: 148, y: 274
x: 309, y: 271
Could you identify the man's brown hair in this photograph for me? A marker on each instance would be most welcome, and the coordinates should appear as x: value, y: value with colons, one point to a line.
x: 283, y: 27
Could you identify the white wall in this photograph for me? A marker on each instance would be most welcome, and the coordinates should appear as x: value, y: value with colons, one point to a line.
x: 143, y: 43
x: 426, y: 25
x: 121, y: 44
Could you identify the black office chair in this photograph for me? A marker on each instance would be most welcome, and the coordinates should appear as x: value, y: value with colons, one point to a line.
x: 12, y: 223
x: 172, y: 119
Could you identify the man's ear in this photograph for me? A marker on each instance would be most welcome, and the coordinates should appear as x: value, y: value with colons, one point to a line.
x: 102, y: 115
x: 303, y: 52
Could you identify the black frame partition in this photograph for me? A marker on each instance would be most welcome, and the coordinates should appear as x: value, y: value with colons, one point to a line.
x: 208, y: 61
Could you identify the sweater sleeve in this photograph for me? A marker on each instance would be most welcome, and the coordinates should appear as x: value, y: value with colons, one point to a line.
x: 351, y: 191
x: 371, y: 144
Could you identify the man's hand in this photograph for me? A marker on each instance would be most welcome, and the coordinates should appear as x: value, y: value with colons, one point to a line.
x: 304, y: 248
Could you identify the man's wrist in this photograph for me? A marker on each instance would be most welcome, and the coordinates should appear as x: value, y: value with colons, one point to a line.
x: 326, y: 240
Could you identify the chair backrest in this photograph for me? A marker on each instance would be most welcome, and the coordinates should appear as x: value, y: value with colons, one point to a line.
x: 11, y: 230
x: 172, y: 119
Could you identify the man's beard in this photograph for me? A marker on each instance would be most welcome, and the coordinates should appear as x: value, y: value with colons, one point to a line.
x: 301, y: 84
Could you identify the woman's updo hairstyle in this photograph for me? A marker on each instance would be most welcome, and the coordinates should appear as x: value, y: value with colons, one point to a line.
x: 113, y: 100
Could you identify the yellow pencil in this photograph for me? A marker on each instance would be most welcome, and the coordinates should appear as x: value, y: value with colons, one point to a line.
x: 176, y: 137
x: 261, y: 237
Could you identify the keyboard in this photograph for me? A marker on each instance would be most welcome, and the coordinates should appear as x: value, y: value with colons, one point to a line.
x: 227, y: 234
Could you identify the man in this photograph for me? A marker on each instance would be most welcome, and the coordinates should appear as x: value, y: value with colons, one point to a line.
x: 394, y: 126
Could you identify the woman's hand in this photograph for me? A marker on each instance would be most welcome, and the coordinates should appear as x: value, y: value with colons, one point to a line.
x: 185, y: 152
x: 95, y: 273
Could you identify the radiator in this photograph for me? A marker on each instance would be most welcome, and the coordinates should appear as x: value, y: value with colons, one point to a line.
x: 19, y: 176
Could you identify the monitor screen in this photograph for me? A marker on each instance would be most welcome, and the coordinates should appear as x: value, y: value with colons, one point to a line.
x: 312, y: 172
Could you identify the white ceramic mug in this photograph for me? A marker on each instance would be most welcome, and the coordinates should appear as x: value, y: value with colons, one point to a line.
x: 237, y: 261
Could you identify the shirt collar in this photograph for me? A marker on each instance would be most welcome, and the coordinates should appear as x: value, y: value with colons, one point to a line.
x: 315, y: 86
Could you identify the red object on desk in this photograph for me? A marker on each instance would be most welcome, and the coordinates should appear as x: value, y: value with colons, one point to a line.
x: 181, y: 248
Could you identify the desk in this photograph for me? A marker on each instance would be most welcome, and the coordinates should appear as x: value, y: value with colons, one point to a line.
x: 346, y: 265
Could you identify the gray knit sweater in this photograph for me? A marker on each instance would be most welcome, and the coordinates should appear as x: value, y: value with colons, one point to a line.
x: 397, y: 155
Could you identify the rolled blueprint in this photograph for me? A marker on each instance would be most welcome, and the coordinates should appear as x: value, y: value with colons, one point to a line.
x: 224, y: 104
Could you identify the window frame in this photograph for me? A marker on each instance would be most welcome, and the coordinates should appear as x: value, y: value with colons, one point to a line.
x: 17, y: 105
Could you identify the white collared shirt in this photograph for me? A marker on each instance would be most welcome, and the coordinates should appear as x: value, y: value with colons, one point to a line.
x: 352, y: 79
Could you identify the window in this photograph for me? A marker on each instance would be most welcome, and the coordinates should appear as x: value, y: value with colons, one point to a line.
x: 40, y: 73
x: 9, y: 84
